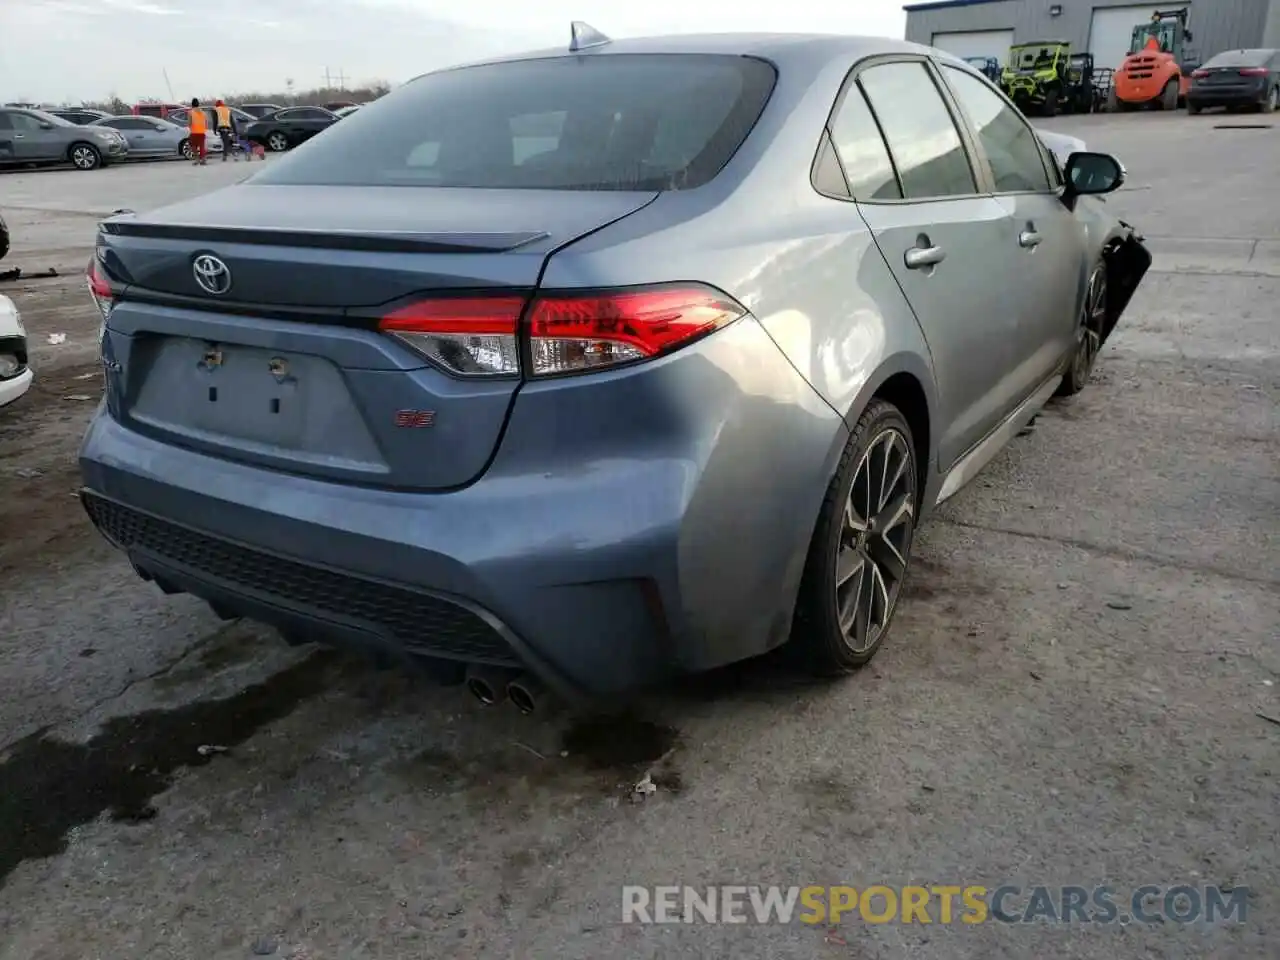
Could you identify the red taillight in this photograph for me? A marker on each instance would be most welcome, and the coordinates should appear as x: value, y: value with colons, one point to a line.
x: 1199, y: 74
x: 471, y: 336
x: 567, y: 332
x: 573, y: 332
x: 1254, y: 71
x: 100, y: 288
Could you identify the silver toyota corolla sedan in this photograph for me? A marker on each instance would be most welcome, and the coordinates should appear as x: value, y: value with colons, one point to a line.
x: 598, y: 365
x: 153, y: 138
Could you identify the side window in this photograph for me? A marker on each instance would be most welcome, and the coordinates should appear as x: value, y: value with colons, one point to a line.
x: 24, y: 123
x: 1017, y: 163
x: 922, y: 137
x: 861, y: 150
x: 4, y: 121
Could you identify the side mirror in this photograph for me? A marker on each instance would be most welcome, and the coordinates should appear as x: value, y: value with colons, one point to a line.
x: 1093, y: 173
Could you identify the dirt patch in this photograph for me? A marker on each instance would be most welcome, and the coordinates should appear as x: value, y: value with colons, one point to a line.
x: 39, y: 474
x: 52, y: 786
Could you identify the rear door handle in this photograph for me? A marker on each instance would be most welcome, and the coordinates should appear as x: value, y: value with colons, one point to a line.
x: 1028, y: 239
x: 918, y: 257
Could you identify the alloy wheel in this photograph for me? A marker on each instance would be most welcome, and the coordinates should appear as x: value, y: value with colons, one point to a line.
x: 1095, y: 315
x: 1275, y: 99
x: 84, y: 158
x: 875, y: 539
x: 277, y: 142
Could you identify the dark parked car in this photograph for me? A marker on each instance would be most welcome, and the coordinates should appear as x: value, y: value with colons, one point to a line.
x: 80, y: 115
x: 289, y: 127
x: 1237, y: 78
x: 33, y: 136
x: 592, y: 369
x: 4, y: 237
x: 258, y: 110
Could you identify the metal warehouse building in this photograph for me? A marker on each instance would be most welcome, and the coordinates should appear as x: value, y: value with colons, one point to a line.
x: 987, y: 28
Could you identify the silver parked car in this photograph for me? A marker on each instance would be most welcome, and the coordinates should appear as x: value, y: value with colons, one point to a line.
x: 598, y: 365
x: 152, y: 138
x: 33, y: 136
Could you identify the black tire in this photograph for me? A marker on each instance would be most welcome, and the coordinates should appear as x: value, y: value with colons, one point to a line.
x: 1193, y: 108
x: 820, y: 643
x: 1051, y: 104
x: 1089, y: 333
x: 84, y: 156
x: 184, y: 149
x: 1169, y: 96
x: 277, y: 142
x: 1272, y: 103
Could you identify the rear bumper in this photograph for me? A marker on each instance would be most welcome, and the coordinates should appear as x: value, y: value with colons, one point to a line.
x: 601, y: 576
x: 1228, y: 98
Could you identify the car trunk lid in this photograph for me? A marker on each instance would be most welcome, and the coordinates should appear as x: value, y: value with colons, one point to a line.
x: 285, y: 367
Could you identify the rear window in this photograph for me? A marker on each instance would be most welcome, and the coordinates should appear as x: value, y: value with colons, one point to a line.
x: 600, y: 122
x: 1241, y: 58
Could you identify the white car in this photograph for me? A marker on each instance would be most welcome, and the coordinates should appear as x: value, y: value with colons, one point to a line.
x: 15, y: 375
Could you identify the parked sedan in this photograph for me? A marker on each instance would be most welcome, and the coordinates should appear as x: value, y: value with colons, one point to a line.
x: 1237, y: 78
x: 289, y: 127
x: 668, y: 386
x: 151, y: 139
x: 33, y: 136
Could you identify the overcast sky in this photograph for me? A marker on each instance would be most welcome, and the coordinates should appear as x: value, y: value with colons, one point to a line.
x: 70, y: 50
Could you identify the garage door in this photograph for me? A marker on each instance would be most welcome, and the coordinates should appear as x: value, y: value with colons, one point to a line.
x: 976, y: 43
x: 1112, y: 28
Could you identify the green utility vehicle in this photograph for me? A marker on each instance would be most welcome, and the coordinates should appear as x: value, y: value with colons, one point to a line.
x: 1037, y: 75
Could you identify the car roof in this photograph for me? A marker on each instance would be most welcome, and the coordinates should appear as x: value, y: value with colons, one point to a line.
x: 783, y: 49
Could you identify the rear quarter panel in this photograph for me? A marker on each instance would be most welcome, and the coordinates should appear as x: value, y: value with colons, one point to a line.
x: 828, y: 325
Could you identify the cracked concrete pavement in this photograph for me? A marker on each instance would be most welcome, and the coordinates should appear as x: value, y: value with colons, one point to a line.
x: 1071, y: 694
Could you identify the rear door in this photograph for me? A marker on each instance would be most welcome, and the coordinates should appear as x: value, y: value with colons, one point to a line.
x: 942, y: 237
x: 1044, y: 243
x: 306, y: 122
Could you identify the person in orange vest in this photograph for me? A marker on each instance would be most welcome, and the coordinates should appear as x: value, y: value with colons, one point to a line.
x: 1153, y: 43
x: 226, y: 128
x: 198, y: 125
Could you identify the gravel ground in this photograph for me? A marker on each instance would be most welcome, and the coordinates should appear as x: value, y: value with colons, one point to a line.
x: 1072, y: 694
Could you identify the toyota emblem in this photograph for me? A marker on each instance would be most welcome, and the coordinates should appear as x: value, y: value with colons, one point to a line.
x: 212, y: 275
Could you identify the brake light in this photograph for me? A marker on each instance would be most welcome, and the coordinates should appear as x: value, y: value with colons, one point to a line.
x: 1199, y: 74
x: 566, y: 332
x: 469, y: 336
x: 100, y: 288
x: 570, y: 333
x: 1254, y: 72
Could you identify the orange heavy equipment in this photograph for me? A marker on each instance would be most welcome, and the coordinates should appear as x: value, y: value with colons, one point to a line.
x: 1152, y: 74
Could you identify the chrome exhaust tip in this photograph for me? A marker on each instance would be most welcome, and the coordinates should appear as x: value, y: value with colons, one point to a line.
x: 526, y: 693
x: 487, y: 685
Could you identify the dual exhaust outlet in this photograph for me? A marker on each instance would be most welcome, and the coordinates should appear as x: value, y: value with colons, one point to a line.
x: 492, y: 685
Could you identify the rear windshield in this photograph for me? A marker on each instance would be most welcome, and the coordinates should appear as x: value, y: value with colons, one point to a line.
x: 599, y: 122
x: 1241, y: 58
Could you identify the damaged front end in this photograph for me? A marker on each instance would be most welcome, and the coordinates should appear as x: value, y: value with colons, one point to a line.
x: 1128, y: 260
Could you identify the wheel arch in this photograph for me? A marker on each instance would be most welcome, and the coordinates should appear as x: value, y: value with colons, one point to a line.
x: 906, y: 380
